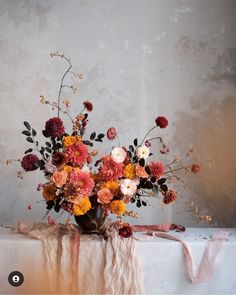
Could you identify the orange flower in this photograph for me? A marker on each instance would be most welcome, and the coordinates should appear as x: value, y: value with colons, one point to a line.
x: 129, y: 171
x: 118, y: 207
x: 70, y: 140
x: 104, y: 196
x: 82, y: 208
x: 59, y: 178
x: 69, y: 169
x: 111, y: 185
x: 49, y: 192
x: 141, y: 172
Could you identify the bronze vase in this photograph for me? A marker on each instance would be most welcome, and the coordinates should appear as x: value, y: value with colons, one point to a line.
x: 92, y: 221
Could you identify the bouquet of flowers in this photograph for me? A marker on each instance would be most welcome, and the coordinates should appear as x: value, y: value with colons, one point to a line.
x: 89, y: 186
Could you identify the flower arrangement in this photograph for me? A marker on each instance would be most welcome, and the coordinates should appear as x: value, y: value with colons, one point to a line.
x: 78, y: 180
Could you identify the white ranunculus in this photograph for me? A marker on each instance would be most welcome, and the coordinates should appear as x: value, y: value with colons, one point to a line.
x: 142, y: 152
x: 85, y: 169
x: 118, y: 155
x: 128, y: 187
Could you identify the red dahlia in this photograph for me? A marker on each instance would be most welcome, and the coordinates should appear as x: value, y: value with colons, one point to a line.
x: 125, y: 231
x: 88, y: 105
x: 195, y: 168
x: 54, y: 127
x: 169, y: 197
x: 161, y: 122
x: 28, y: 163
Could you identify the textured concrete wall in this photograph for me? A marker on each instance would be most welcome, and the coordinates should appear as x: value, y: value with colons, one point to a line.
x: 140, y: 58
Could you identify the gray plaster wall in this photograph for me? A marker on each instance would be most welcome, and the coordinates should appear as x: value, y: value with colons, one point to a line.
x: 140, y: 58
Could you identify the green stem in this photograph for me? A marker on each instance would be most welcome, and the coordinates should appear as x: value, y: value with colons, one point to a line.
x: 147, y: 134
x: 61, y: 86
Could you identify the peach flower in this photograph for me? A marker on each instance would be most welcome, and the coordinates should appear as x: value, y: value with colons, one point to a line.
x: 141, y: 172
x: 104, y: 196
x: 59, y: 178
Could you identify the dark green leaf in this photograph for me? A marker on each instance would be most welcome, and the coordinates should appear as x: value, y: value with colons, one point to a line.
x: 147, y: 169
x: 46, y: 155
x: 135, y: 142
x: 161, y: 181
x: 144, y: 203
x: 26, y: 132
x: 37, y: 143
x: 45, y: 133
x: 59, y: 145
x: 164, y: 187
x: 129, y: 154
x: 48, y: 149
x: 98, y: 139
x: 27, y: 125
x: 40, y: 164
x: 28, y: 151
x: 29, y: 139
x: 142, y: 162
x: 48, y: 144
x: 101, y: 135
x: 149, y: 185
x: 131, y: 148
x: 153, y: 179
x: 138, y: 204
x: 87, y: 142
x: 93, y: 135
x: 34, y: 133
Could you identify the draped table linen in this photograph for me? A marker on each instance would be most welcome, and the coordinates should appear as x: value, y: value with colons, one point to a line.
x: 161, y: 260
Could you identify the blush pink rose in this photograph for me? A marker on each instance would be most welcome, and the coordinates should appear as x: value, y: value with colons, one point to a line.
x: 59, y: 178
x: 104, y: 196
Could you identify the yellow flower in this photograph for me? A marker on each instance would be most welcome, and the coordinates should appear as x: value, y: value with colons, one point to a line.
x: 118, y: 207
x: 49, y: 192
x: 70, y: 140
x: 129, y: 171
x: 82, y: 208
x: 111, y: 185
x: 69, y: 169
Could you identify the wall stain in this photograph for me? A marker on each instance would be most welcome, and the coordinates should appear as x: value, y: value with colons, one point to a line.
x: 212, y: 132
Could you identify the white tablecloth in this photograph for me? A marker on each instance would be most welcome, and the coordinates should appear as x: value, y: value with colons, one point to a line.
x: 162, y: 261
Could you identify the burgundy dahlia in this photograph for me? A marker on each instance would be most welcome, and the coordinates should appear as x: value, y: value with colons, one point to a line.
x: 125, y: 231
x: 88, y: 105
x: 54, y: 127
x: 28, y: 163
x: 161, y: 122
x: 59, y: 159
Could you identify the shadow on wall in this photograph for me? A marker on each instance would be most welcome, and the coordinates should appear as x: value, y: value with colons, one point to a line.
x: 213, y: 132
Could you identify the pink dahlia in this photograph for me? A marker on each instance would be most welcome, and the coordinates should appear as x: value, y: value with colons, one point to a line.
x: 111, y: 170
x: 77, y: 153
x: 28, y: 163
x: 111, y: 133
x: 157, y: 169
x: 83, y: 182
x: 54, y: 127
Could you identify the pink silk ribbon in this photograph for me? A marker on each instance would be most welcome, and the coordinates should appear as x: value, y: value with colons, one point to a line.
x: 204, y: 272
x: 210, y: 255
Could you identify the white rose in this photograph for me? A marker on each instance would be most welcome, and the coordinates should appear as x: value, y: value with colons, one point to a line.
x: 128, y: 187
x: 142, y: 152
x: 118, y: 155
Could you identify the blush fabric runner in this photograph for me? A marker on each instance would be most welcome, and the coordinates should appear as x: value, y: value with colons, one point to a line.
x: 63, y: 253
